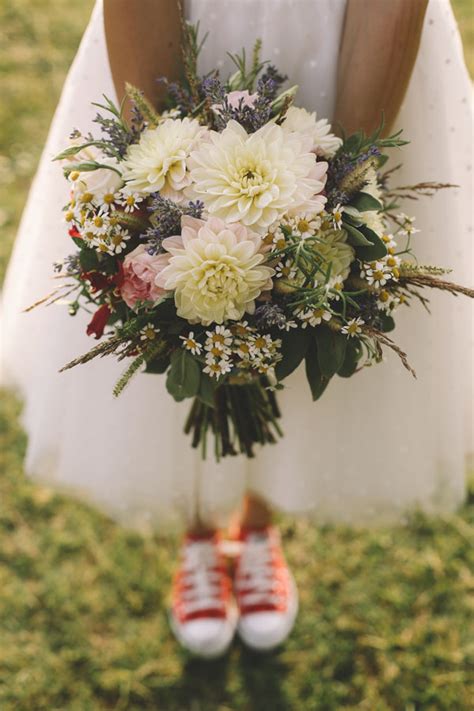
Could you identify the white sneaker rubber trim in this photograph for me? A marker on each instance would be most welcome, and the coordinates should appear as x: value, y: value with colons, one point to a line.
x: 213, y: 648
x: 258, y: 639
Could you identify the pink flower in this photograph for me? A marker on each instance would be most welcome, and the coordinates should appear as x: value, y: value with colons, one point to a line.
x: 140, y: 270
x: 235, y: 97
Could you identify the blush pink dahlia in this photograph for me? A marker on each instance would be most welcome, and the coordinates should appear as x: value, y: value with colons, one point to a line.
x: 140, y: 270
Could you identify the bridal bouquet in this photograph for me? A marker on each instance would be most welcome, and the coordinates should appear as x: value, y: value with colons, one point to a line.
x: 230, y: 239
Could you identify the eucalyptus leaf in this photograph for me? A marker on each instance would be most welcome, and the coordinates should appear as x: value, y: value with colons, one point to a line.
x: 157, y: 365
x: 331, y: 347
x: 293, y: 350
x: 365, y: 202
x: 351, y: 359
x: 386, y: 323
x: 377, y: 248
x: 183, y: 376
x: 355, y: 237
x: 316, y: 380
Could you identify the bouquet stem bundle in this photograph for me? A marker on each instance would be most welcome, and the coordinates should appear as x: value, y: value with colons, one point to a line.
x: 242, y: 416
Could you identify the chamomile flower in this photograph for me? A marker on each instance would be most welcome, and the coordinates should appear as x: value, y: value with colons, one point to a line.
x: 313, y: 317
x: 107, y: 201
x: 217, y: 368
x: 98, y: 223
x: 130, y: 201
x: 337, y: 216
x: 243, y: 350
x: 285, y: 269
x: 287, y: 325
x: 353, y: 327
x: 334, y: 287
x: 407, y: 228
x: 220, y: 337
x: 118, y: 240
x: 303, y: 225
x: 148, y: 332
x: 376, y: 274
x: 241, y: 329
x: 191, y: 344
x: 389, y: 242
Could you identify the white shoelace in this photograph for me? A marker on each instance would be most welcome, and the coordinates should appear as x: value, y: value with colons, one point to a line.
x: 256, y: 572
x: 199, y: 559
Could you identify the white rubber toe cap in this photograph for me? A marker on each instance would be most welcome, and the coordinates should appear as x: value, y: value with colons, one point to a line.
x: 266, y: 630
x: 207, y: 638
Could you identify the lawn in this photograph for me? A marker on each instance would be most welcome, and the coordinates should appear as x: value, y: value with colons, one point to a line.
x: 385, y: 613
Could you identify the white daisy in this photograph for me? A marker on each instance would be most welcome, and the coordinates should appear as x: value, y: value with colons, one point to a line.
x: 217, y: 368
x: 337, y: 216
x: 313, y: 317
x: 353, y: 327
x: 118, y: 240
x: 286, y: 269
x: 130, y: 200
x: 190, y: 343
x: 376, y: 273
x: 148, y: 332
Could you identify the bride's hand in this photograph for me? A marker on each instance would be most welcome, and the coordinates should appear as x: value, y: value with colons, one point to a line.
x: 379, y: 45
x: 143, y: 42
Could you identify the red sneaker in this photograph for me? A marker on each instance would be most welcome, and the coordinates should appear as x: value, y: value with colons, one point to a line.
x: 203, y: 615
x: 265, y: 590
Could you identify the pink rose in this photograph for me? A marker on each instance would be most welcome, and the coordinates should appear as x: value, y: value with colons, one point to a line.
x: 140, y: 271
x: 234, y: 97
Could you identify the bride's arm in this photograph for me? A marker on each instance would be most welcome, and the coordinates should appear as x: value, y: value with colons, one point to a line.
x: 143, y: 42
x: 379, y: 45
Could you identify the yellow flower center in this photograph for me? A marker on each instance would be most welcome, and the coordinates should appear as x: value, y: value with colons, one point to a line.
x: 392, y: 262
x: 384, y: 296
x: 149, y: 333
x: 86, y: 197
x: 108, y: 198
x: 303, y: 225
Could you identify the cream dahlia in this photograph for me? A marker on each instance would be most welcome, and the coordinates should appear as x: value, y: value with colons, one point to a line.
x: 158, y: 162
x: 255, y: 178
x: 215, y: 270
x: 300, y: 121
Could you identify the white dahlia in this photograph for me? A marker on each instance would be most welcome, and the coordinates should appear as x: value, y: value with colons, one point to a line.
x: 255, y: 178
x: 301, y: 122
x: 158, y: 162
x: 215, y: 270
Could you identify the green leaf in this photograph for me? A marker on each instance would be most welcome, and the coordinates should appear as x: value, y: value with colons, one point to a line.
x: 331, y: 347
x: 377, y: 248
x: 293, y: 349
x: 157, y: 365
x: 207, y: 388
x: 183, y: 376
x: 351, y: 359
x: 317, y: 381
x: 386, y: 323
x: 355, y: 237
x: 88, y: 259
x: 365, y: 202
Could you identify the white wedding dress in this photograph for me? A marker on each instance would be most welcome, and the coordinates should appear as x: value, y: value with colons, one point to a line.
x: 373, y: 447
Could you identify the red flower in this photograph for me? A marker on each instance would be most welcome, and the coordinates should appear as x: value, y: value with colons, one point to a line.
x: 99, y: 321
x: 74, y: 232
x: 97, y: 280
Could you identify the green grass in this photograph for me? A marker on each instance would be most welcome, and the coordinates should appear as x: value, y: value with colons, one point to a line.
x: 385, y: 619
